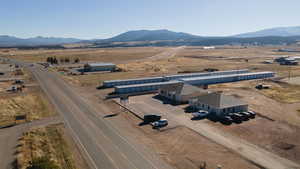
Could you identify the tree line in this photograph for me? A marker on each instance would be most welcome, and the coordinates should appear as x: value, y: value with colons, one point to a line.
x: 54, y: 60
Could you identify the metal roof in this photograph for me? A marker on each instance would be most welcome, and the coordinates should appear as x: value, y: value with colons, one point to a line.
x: 222, y: 76
x: 147, y: 84
x: 205, y: 73
x: 100, y: 64
x: 183, y: 89
x: 136, y: 79
x: 220, y: 101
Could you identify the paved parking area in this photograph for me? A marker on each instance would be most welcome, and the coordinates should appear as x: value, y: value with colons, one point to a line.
x: 176, y: 116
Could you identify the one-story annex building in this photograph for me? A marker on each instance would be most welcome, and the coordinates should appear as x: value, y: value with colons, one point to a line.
x: 219, y: 104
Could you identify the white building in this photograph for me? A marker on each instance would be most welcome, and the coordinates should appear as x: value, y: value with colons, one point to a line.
x: 93, y: 67
x: 218, y: 103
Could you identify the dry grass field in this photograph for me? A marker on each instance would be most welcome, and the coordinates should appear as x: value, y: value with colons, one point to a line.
x: 194, y: 59
x: 104, y: 55
x: 34, y: 105
x: 47, y: 142
x: 275, y: 129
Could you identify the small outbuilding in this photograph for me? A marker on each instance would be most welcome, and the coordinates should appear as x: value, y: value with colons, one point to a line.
x: 93, y: 67
x: 181, y: 92
x: 218, y: 104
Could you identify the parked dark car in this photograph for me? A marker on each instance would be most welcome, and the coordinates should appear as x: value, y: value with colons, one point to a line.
x: 245, y: 115
x: 252, y: 114
x: 149, y: 118
x: 236, y: 117
x: 226, y: 120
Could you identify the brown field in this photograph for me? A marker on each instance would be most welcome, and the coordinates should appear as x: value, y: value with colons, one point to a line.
x: 103, y: 55
x: 49, y: 142
x: 193, y: 59
x: 275, y: 128
x: 34, y: 105
x: 30, y: 101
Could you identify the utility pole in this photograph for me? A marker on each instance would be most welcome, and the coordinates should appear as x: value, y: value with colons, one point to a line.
x: 290, y: 71
x: 123, y: 102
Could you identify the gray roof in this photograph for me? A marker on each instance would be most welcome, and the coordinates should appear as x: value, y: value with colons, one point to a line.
x: 185, y: 89
x: 208, y: 73
x: 219, y: 100
x: 222, y: 76
x: 189, y: 89
x: 135, y: 79
x: 100, y: 64
x: 148, y: 84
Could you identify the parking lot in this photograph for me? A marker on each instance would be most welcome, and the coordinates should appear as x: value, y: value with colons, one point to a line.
x: 176, y: 116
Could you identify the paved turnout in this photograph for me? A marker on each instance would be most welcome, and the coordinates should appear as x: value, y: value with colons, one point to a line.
x: 102, y: 144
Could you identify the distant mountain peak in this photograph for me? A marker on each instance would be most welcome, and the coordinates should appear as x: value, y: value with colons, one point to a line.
x: 150, y: 35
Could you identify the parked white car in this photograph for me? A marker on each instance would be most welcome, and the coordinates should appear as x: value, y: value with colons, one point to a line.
x: 160, y: 123
x: 200, y: 114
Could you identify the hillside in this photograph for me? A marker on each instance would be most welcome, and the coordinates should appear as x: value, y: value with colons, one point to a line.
x: 280, y: 31
x: 150, y: 35
x: 14, y: 41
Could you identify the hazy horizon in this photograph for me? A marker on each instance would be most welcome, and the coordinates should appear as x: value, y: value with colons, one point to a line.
x: 93, y: 19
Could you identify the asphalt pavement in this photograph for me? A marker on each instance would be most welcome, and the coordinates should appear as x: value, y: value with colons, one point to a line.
x: 102, y: 145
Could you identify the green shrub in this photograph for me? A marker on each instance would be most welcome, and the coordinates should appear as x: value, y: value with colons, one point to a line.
x: 42, y: 163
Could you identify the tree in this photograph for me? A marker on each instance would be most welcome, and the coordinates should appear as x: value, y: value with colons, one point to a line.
x: 54, y: 61
x: 67, y: 60
x: 77, y: 60
x: 62, y: 60
x: 42, y: 163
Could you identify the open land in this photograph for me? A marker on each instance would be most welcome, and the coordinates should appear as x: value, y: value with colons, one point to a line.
x: 274, y: 130
x: 30, y: 127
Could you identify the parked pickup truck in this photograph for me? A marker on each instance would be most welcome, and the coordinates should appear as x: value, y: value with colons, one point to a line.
x: 262, y: 86
x: 149, y: 118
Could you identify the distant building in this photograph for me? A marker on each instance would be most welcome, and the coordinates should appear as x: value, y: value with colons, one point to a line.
x: 288, y: 50
x: 180, y: 92
x: 296, y: 57
x: 93, y: 67
x: 267, y: 62
x: 209, y: 47
x: 218, y: 104
x: 287, y: 60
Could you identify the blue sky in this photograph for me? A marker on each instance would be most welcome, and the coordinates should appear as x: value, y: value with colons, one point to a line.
x: 102, y: 19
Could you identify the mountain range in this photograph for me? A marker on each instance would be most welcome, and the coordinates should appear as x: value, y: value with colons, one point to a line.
x: 7, y: 41
x: 279, y: 31
x: 280, y: 34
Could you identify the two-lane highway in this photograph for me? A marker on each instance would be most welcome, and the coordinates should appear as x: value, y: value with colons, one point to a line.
x: 102, y: 144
